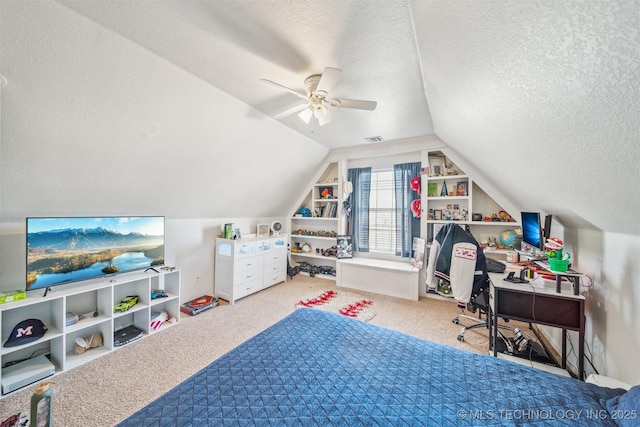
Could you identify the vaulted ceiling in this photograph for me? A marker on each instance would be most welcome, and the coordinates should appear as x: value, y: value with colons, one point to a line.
x: 159, y: 105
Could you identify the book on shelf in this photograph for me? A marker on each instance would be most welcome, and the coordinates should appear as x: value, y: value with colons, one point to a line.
x: 432, y: 189
x: 330, y: 210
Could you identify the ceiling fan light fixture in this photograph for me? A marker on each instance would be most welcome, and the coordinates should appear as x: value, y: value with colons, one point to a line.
x: 306, y: 115
x: 322, y: 114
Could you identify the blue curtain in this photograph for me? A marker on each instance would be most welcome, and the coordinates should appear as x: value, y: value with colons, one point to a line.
x: 407, y: 224
x: 359, y: 219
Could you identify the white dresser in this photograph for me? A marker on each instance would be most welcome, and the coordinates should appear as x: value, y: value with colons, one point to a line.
x: 248, y: 265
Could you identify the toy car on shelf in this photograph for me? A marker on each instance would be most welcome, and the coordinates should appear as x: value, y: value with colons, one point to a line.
x: 328, y: 270
x: 158, y: 293
x: 126, y: 303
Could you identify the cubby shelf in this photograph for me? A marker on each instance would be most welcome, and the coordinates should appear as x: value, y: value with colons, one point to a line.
x: 95, y: 295
x: 313, y: 200
x: 459, y: 209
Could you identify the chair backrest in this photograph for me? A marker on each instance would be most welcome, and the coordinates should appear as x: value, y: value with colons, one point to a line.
x: 461, y: 261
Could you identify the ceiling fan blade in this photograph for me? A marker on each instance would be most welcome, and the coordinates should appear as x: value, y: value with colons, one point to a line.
x: 296, y: 93
x: 328, y: 80
x: 353, y: 103
x: 291, y: 111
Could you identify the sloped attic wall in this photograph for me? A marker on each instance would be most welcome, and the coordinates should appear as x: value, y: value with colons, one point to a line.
x: 94, y: 124
x: 544, y: 96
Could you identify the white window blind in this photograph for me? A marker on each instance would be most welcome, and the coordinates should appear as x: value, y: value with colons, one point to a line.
x: 382, y: 227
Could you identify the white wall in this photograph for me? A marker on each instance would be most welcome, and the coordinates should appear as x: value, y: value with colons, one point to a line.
x: 94, y: 124
x: 611, y: 286
x: 613, y: 302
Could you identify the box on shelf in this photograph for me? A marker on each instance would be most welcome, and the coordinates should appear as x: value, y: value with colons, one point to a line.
x: 12, y: 296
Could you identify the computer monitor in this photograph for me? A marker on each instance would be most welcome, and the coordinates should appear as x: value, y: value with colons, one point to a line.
x: 532, y: 231
x: 546, y: 231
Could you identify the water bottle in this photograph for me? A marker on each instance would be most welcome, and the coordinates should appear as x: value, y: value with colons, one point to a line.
x: 42, y: 406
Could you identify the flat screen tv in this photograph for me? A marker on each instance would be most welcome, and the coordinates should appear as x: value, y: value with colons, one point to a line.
x: 65, y: 250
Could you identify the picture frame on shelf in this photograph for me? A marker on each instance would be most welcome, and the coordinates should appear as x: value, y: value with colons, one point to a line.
x: 326, y: 192
x: 437, y: 214
x: 263, y: 230
x: 436, y: 165
x: 462, y: 188
x: 345, y: 247
x: 417, y: 252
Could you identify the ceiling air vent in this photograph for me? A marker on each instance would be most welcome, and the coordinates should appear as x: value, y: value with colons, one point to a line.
x: 374, y: 139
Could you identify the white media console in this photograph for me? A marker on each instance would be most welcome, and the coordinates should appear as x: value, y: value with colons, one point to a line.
x: 96, y: 295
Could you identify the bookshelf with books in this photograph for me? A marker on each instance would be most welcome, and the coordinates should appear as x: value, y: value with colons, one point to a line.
x: 315, y: 225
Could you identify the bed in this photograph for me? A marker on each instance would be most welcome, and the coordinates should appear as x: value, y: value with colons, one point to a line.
x: 319, y: 368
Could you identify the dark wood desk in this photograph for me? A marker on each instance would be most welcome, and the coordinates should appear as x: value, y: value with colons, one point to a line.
x: 541, y: 306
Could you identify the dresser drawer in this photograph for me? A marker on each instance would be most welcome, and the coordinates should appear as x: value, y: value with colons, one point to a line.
x: 247, y: 288
x: 273, y: 268
x: 243, y: 264
x: 274, y: 277
x: 245, y: 249
x: 244, y: 276
x: 276, y: 257
x: 264, y: 246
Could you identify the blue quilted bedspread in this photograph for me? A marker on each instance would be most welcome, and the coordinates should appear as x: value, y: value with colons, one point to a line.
x: 319, y: 368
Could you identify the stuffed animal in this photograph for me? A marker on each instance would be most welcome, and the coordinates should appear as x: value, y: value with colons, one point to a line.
x: 415, y: 208
x: 84, y: 344
x: 414, y: 184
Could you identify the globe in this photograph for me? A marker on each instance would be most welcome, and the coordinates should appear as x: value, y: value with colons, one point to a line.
x: 507, y: 237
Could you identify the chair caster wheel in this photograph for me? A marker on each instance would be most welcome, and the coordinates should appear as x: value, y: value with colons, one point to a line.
x: 455, y: 321
x: 461, y: 338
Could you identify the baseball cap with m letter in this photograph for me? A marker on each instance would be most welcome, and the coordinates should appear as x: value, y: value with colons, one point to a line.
x: 27, y: 331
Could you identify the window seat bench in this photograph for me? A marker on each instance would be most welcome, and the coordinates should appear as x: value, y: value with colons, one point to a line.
x: 394, y: 278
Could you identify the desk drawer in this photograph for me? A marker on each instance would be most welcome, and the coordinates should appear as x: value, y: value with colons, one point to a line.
x: 539, y: 308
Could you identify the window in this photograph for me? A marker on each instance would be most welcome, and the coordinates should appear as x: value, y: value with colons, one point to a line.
x: 381, y: 218
x: 382, y: 224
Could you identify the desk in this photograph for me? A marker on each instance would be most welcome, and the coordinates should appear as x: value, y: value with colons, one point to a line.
x: 570, y: 275
x: 530, y: 304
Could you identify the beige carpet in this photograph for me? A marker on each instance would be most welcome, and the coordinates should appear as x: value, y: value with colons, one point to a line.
x: 105, y: 391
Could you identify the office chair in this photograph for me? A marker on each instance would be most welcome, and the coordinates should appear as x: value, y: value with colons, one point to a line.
x: 457, y: 258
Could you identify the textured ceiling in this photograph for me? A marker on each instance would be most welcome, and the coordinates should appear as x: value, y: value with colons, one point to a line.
x: 234, y: 44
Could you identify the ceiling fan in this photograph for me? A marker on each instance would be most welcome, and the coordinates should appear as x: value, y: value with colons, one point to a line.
x: 316, y: 99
